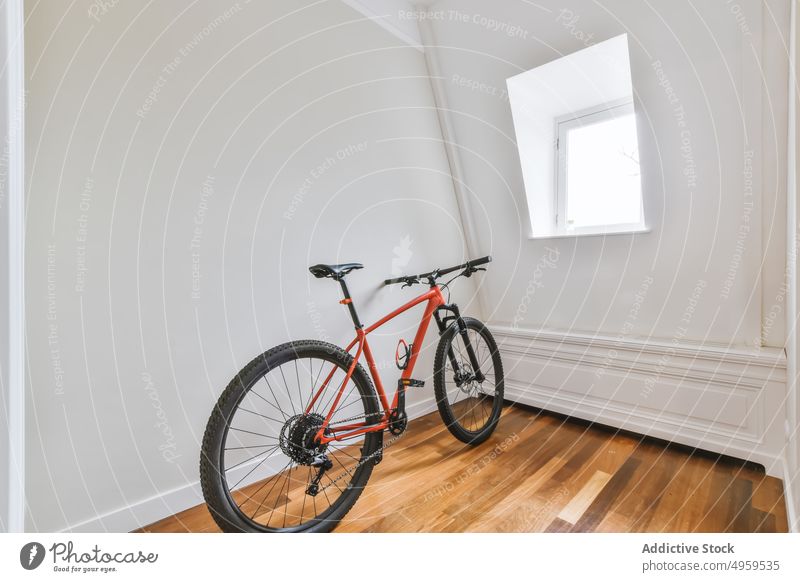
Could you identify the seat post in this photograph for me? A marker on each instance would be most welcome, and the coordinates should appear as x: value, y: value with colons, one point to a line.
x: 349, y: 302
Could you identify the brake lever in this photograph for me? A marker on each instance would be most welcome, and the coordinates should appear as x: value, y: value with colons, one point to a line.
x: 468, y: 272
x: 409, y: 282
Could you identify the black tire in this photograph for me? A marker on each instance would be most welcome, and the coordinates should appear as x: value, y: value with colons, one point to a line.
x: 232, y: 517
x: 474, y: 418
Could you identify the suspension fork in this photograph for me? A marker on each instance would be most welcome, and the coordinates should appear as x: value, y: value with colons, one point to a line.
x: 443, y: 323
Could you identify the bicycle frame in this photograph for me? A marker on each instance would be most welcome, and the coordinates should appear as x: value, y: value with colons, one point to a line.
x: 435, y: 300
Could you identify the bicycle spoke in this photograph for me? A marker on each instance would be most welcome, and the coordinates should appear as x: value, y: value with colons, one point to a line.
x: 299, y: 393
x: 489, y: 355
x: 268, y: 492
x: 253, y: 391
x: 303, y: 509
x: 348, y: 471
x: 259, y: 414
x: 469, y: 403
x: 340, y: 408
x: 251, y: 458
x: 248, y: 447
x: 464, y: 358
x: 481, y: 345
x: 251, y: 432
x: 346, y: 453
x: 325, y: 492
x: 314, y: 385
x: 288, y: 488
x: 258, y: 439
x: 286, y: 385
x: 332, y: 396
x: 250, y: 472
x: 280, y: 492
x: 277, y: 405
x: 332, y: 482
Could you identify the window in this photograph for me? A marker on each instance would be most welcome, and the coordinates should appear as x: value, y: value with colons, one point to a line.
x: 590, y: 182
x: 598, y: 184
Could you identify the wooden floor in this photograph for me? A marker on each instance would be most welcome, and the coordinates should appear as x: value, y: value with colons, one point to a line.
x: 542, y: 473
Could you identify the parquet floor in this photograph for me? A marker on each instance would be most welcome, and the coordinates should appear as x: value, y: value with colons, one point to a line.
x: 540, y: 472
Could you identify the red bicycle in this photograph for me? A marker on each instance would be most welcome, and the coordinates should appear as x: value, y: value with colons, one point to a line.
x: 292, y: 441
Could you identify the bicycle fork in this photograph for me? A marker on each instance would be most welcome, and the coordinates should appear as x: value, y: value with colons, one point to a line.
x: 443, y: 323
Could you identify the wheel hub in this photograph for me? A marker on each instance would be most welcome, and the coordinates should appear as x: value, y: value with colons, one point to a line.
x: 465, y: 379
x: 298, y: 438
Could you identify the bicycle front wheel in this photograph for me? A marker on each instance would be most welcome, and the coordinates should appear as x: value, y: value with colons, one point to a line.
x: 261, y: 468
x: 469, y: 407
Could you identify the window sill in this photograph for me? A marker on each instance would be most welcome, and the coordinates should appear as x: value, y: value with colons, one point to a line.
x: 640, y: 230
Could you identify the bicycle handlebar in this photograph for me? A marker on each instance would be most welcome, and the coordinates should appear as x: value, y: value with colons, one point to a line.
x: 436, y: 273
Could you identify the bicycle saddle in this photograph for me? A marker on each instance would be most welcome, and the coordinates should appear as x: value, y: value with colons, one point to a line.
x: 335, y: 271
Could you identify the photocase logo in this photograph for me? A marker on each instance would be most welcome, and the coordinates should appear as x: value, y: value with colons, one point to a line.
x: 31, y: 555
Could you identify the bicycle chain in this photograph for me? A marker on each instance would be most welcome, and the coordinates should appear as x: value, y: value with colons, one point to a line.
x: 364, y: 416
x: 362, y: 461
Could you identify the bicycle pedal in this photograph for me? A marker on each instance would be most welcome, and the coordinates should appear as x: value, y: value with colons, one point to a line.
x: 410, y: 383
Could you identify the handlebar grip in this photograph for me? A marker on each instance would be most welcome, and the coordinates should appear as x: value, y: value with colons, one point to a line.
x: 467, y: 265
x: 481, y: 261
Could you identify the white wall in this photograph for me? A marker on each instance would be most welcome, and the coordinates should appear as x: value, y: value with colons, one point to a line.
x: 12, y: 388
x: 711, y: 67
x: 792, y: 450
x: 125, y: 360
x: 128, y: 349
x: 4, y: 277
x: 679, y: 332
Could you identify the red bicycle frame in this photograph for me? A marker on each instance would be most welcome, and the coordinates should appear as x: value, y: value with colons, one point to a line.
x: 435, y: 300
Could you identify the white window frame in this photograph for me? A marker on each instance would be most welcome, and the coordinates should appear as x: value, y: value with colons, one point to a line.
x: 563, y: 125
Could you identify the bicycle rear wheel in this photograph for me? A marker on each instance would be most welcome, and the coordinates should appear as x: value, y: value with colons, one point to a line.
x: 259, y: 460
x: 470, y: 409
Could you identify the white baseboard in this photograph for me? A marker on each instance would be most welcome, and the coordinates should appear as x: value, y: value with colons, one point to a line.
x: 142, y: 512
x: 170, y: 502
x: 421, y: 408
x: 720, y: 399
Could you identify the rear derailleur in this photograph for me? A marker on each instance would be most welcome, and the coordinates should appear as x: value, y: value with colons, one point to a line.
x: 325, y: 464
